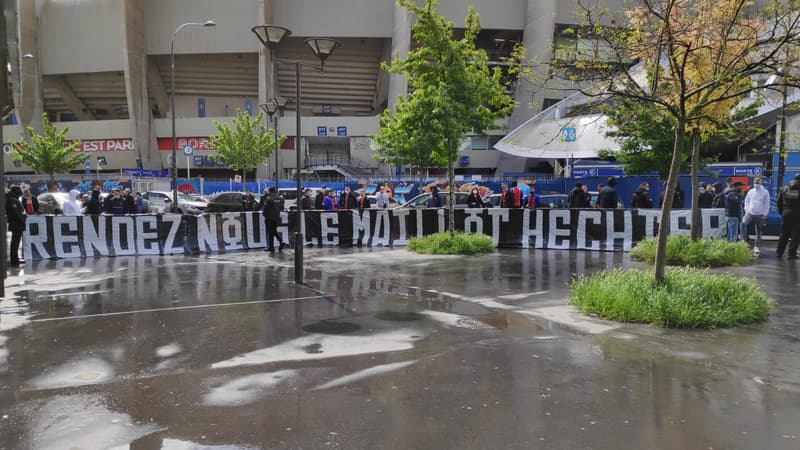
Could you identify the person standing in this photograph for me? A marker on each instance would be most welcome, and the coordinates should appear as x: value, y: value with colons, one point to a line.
x: 789, y: 209
x: 381, y: 199
x: 733, y: 210
x: 435, y: 201
x: 71, y: 206
x: 474, y: 200
x: 503, y: 194
x: 16, y: 223
x: 117, y: 205
x: 756, y: 208
x: 320, y: 197
x: 330, y: 203
x: 608, y: 198
x: 130, y: 202
x: 248, y: 201
x: 94, y: 206
x: 706, y: 197
x: 578, y: 198
x: 273, y: 205
x: 348, y: 200
x: 30, y: 204
x: 305, y: 200
x: 641, y: 198
x: 514, y: 196
x: 363, y: 201
x: 532, y: 202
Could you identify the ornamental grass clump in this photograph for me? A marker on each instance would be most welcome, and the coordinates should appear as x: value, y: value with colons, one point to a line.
x: 688, y: 298
x: 458, y: 244
x: 682, y: 251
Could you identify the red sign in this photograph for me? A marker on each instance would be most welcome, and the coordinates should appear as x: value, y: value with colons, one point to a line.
x: 104, y: 145
x: 198, y: 143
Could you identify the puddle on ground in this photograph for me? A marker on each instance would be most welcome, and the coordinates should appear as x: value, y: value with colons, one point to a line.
x: 332, y: 327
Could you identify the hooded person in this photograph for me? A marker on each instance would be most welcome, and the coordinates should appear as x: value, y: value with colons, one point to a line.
x: 72, y: 207
x: 608, y: 198
x: 16, y: 223
x: 93, y: 205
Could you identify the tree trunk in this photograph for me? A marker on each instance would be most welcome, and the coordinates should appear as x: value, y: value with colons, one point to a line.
x: 451, y: 178
x: 697, y: 228
x: 244, y: 185
x: 669, y: 194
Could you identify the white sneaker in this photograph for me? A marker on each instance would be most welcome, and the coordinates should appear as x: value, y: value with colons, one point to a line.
x: 756, y: 250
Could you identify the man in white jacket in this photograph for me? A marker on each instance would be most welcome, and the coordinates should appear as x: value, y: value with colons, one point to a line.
x: 71, y: 206
x: 756, y: 208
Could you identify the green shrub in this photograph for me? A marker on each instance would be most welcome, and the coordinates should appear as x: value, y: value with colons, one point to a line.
x: 688, y: 298
x: 458, y: 244
x: 682, y: 251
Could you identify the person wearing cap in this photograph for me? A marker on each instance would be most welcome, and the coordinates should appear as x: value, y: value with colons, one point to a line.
x: 16, y: 223
x: 733, y: 210
x: 756, y: 208
x: 789, y: 209
x: 608, y: 198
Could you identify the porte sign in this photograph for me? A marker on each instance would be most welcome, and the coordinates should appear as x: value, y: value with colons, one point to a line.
x: 188, y: 150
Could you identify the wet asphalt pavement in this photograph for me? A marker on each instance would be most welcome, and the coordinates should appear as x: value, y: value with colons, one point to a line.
x: 384, y: 349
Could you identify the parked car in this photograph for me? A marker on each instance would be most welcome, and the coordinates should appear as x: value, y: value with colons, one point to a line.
x: 289, y: 196
x: 228, y: 202
x: 52, y: 202
x: 553, y: 201
x: 393, y: 202
x: 162, y: 202
x: 421, y: 200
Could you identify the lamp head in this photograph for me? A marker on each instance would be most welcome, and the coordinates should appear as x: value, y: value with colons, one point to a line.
x: 209, y: 23
x: 270, y: 35
x: 323, y: 48
x: 281, y: 102
x: 270, y: 108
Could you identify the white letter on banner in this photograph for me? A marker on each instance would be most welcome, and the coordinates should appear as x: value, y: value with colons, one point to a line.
x: 252, y: 218
x: 401, y: 214
x: 147, y: 241
x: 626, y: 234
x: 175, y: 224
x: 95, y: 238
x: 418, y: 215
x: 440, y: 214
x: 383, y: 226
x: 207, y: 233
x: 498, y: 214
x: 471, y: 219
x: 585, y: 216
x: 555, y: 231
x: 651, y: 217
x: 117, y: 222
x: 360, y: 225
x: 35, y: 240
x: 283, y: 230
x: 69, y: 240
x: 708, y: 229
x: 232, y: 230
x: 329, y: 229
x: 675, y: 221
x: 536, y: 232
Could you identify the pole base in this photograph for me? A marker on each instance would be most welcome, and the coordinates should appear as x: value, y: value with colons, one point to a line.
x: 298, y: 258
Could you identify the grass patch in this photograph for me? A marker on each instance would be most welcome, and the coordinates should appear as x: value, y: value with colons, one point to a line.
x: 688, y: 298
x: 683, y: 251
x: 458, y: 244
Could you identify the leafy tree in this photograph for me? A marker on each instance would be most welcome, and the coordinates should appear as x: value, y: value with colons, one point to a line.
x: 698, y: 60
x: 453, y: 93
x: 49, y: 152
x: 247, y: 145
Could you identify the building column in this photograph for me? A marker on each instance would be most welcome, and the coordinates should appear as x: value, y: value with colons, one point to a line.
x: 26, y: 76
x: 540, y: 18
x: 136, y: 86
x: 267, y: 83
x: 401, y: 43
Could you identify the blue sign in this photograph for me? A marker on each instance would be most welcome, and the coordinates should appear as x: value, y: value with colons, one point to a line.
x: 582, y: 172
x: 463, y: 161
x: 322, y: 131
x: 341, y: 131
x: 145, y: 173
x: 188, y: 150
x: 736, y: 170
x: 88, y: 166
x: 199, y: 161
x: 569, y: 134
x: 248, y: 106
x: 201, y: 107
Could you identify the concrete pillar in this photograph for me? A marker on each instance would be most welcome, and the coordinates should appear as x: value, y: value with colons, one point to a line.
x: 540, y: 18
x: 143, y: 130
x: 401, y: 43
x: 267, y: 82
x: 26, y: 75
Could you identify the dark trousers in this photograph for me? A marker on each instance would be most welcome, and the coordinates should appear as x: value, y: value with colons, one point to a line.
x: 16, y: 237
x: 272, y: 234
x: 790, y: 228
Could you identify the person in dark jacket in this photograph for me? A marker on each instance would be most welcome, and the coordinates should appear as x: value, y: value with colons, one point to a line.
x: 733, y: 211
x: 273, y: 206
x: 435, y: 201
x: 115, y: 204
x: 719, y: 196
x: 320, y: 198
x: 130, y: 202
x: 305, y: 200
x: 474, y: 200
x: 348, y: 200
x: 641, y: 198
x: 706, y: 197
x: 677, y: 198
x: 93, y: 205
x: 608, y: 198
x: 363, y: 201
x: 30, y: 204
x: 789, y: 209
x: 578, y: 198
x: 248, y: 201
x: 513, y: 196
x: 16, y: 223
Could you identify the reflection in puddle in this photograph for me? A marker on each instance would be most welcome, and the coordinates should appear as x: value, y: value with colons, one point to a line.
x: 174, y: 444
x: 399, y: 316
x: 455, y: 320
x: 332, y: 327
x: 76, y: 373
x: 165, y: 351
x: 326, y: 346
x: 366, y: 373
x: 246, y: 390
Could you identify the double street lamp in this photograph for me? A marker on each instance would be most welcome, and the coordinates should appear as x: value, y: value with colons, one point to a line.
x: 174, y: 165
x: 274, y: 107
x: 270, y: 36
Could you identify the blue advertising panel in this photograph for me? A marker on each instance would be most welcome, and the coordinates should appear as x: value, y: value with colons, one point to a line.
x: 199, y: 161
x: 201, y: 107
x: 322, y: 131
x: 341, y: 131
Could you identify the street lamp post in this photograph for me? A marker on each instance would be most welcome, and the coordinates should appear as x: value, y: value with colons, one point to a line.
x: 174, y: 165
x: 274, y: 108
x: 270, y: 36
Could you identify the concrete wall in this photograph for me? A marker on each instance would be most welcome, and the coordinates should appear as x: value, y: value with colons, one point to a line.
x: 231, y: 34
x: 340, y: 18
x: 494, y: 13
x: 81, y: 36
